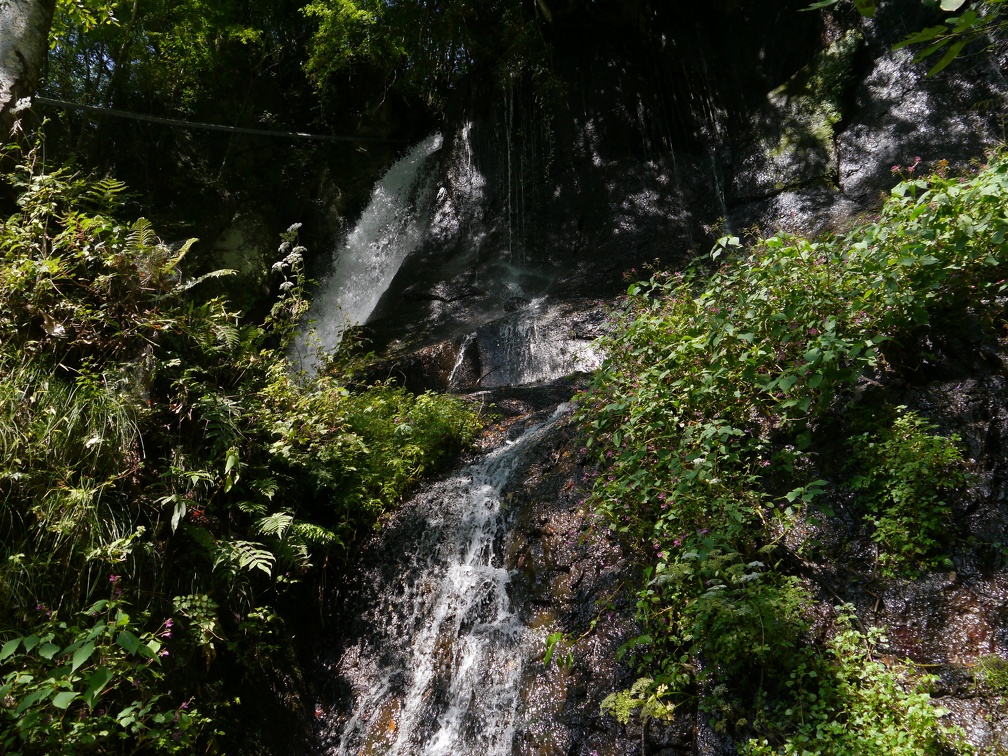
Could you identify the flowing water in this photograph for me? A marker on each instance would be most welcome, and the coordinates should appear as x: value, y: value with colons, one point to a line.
x: 392, y: 225
x: 532, y: 345
x: 436, y: 670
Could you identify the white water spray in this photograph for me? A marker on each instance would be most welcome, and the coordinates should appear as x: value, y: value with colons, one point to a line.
x: 439, y: 673
x: 363, y: 267
x: 533, y: 345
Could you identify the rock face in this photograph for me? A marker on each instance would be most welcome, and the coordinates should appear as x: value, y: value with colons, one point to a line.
x: 670, y: 131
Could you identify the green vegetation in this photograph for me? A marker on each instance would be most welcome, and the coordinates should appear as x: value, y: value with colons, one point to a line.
x: 426, y: 49
x: 703, y: 417
x: 166, y: 481
x: 905, y: 469
x: 992, y: 672
x: 845, y: 702
x: 981, y: 21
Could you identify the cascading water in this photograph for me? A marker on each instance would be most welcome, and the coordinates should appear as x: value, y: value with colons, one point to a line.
x: 438, y: 668
x: 533, y: 345
x: 392, y: 225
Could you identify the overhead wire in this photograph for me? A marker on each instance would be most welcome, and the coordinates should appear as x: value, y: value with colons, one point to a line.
x: 178, y: 122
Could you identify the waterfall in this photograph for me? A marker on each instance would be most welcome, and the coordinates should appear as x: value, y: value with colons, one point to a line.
x: 391, y: 226
x: 532, y: 345
x: 460, y: 360
x: 437, y: 672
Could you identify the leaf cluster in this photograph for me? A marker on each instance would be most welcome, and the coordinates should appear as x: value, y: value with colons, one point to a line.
x: 905, y: 474
x: 86, y: 685
x: 978, y: 22
x: 846, y: 702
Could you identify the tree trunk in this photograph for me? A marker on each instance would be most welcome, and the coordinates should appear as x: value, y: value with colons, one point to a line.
x: 24, y: 40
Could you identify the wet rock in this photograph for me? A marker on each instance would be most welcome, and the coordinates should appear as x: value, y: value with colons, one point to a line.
x: 900, y: 113
x: 792, y: 141
x: 986, y: 727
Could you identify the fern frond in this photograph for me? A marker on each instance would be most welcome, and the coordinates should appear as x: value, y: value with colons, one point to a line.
x: 141, y: 236
x: 228, y: 335
x: 252, y: 556
x: 105, y: 194
x: 276, y: 524
x: 179, y: 253
x: 315, y: 535
x: 253, y: 508
x: 212, y: 274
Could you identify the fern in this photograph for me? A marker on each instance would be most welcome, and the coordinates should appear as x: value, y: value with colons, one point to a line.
x: 228, y: 335
x: 254, y: 508
x: 222, y: 273
x: 141, y: 236
x: 251, y: 556
x: 178, y: 254
x: 276, y: 524
x: 104, y: 194
x: 315, y: 535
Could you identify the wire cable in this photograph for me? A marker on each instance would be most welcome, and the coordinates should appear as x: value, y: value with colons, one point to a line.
x: 205, y: 126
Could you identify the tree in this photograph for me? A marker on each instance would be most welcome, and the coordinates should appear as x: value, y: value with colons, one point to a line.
x: 24, y: 39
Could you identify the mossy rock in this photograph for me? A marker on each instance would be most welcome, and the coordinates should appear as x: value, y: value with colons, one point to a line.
x: 793, y: 142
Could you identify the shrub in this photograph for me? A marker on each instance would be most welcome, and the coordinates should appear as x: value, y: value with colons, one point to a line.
x: 907, y: 472
x: 700, y: 418
x: 150, y: 433
x: 82, y: 687
x: 846, y: 703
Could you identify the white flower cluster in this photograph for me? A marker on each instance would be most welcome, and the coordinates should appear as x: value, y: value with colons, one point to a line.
x: 293, y: 256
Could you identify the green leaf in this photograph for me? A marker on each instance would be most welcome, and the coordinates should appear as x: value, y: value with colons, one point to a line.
x: 951, y: 55
x: 865, y: 7
x: 33, y: 698
x: 128, y: 641
x: 925, y: 35
x: 81, y: 655
x: 62, y: 699
x: 48, y: 650
x: 96, y: 683
x: 178, y: 513
x: 952, y: 5
x: 927, y: 52
x: 9, y: 648
x: 97, y: 606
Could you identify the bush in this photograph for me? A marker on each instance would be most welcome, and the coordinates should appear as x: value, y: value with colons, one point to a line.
x: 906, y: 473
x: 845, y: 703
x: 700, y: 418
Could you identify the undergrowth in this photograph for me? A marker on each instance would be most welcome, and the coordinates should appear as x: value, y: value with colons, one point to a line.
x: 166, y: 479
x: 906, y: 472
x: 700, y: 422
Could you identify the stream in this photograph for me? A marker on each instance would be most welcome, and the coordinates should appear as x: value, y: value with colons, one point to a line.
x: 437, y: 669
